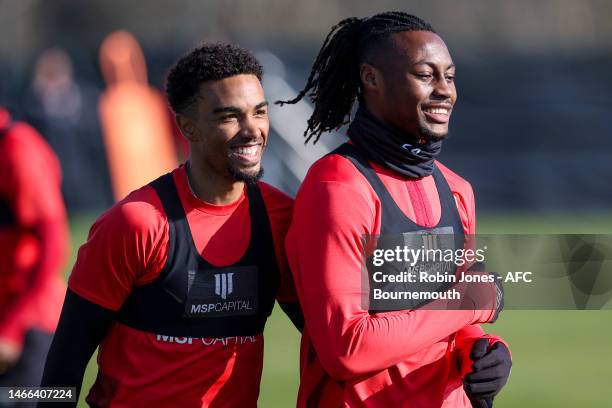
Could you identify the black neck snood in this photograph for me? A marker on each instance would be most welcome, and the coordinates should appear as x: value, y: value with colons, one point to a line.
x: 396, y: 150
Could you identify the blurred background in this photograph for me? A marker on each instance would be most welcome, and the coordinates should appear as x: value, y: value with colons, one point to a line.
x: 531, y: 131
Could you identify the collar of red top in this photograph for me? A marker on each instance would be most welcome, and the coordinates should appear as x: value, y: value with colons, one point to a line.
x: 201, y: 205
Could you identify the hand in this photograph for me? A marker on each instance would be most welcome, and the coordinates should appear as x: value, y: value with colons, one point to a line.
x: 482, y: 402
x: 490, y: 372
x: 9, y: 354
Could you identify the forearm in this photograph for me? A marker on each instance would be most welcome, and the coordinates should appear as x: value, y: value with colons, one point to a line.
x: 351, y: 341
x: 355, y: 344
x: 81, y: 328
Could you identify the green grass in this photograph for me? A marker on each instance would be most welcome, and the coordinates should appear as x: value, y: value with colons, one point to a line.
x: 561, y: 358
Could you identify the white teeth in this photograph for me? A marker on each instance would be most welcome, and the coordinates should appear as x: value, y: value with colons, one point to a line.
x: 442, y: 111
x: 248, y: 151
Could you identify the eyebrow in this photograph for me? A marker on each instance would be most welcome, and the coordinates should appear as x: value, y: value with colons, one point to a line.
x: 425, y: 62
x: 234, y: 109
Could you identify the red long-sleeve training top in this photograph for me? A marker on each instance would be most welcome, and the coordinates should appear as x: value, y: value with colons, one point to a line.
x: 349, y: 357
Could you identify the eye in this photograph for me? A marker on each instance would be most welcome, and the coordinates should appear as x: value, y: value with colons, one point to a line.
x: 425, y: 75
x: 263, y: 112
x: 227, y: 118
x: 450, y: 78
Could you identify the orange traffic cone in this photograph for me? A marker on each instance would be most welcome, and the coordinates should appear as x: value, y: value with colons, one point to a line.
x: 134, y: 118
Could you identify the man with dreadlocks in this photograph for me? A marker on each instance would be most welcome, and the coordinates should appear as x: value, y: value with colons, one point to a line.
x: 386, y: 180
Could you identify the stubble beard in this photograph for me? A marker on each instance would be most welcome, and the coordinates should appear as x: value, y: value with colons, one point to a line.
x: 247, y: 177
x: 429, y: 135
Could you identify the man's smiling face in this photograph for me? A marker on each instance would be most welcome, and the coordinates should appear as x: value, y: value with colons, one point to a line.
x: 417, y: 92
x: 231, y: 116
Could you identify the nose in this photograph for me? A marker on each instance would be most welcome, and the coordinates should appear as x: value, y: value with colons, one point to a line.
x: 442, y: 88
x: 250, y: 128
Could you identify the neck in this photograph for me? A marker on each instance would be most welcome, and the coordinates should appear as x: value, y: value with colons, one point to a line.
x: 210, y: 187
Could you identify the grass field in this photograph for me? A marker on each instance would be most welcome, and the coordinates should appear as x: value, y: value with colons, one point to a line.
x: 561, y: 358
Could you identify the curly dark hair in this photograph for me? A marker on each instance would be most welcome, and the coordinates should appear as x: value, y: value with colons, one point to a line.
x: 333, y: 84
x: 208, y: 62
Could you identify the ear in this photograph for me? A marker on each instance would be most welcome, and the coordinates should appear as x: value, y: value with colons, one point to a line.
x: 188, y: 127
x: 371, y: 78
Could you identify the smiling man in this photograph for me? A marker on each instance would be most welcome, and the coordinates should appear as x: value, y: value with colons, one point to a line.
x: 176, y: 281
x: 385, y: 181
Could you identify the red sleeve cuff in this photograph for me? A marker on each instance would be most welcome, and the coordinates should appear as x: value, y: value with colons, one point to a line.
x: 464, y: 349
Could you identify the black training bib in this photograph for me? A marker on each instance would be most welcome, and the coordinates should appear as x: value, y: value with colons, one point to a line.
x: 399, y: 230
x: 191, y: 297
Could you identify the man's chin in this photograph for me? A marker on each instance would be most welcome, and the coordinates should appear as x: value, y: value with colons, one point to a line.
x: 434, y: 135
x: 248, y: 176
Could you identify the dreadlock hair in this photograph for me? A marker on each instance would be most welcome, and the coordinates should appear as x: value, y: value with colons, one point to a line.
x: 334, y: 81
x: 208, y: 62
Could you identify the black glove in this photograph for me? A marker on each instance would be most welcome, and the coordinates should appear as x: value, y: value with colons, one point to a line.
x: 482, y: 402
x: 490, y: 372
